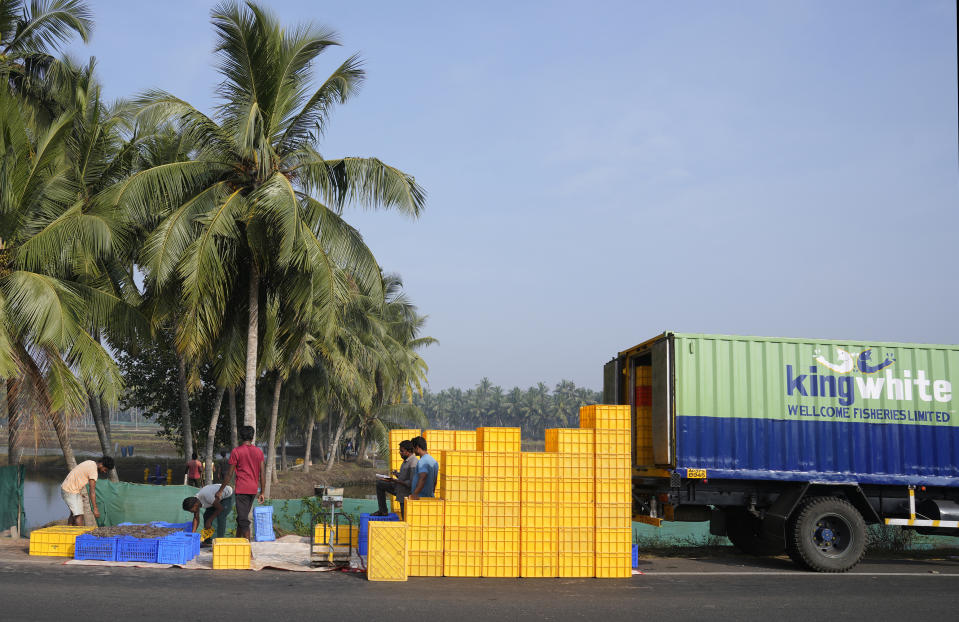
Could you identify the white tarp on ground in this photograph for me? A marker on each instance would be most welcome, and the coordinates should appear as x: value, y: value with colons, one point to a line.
x: 286, y: 553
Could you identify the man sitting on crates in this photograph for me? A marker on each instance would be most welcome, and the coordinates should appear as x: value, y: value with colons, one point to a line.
x: 424, y: 478
x: 214, y: 507
x: 400, y: 485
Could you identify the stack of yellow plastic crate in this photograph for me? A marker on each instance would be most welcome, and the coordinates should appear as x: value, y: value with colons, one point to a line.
x: 576, y: 500
x: 56, y: 541
x: 613, y: 511
x: 644, y: 415
x: 501, y: 513
x: 438, y: 441
x: 539, y: 540
x: 424, y: 537
x: 396, y: 436
x: 463, y: 518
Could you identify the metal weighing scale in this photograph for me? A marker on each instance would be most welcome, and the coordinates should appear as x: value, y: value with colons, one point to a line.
x: 331, y: 552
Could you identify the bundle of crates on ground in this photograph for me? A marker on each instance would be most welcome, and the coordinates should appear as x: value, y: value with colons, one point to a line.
x: 500, y: 512
x: 177, y: 548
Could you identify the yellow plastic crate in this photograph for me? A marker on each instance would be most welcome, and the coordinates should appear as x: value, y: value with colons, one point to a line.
x: 576, y: 516
x: 538, y: 516
x: 539, y: 496
x: 461, y: 463
x: 462, y: 563
x: 613, y: 466
x: 456, y: 488
x: 612, y: 442
x: 463, y: 539
x: 439, y: 440
x: 501, y: 565
x: 501, y: 464
x: 613, y: 490
x: 501, y: 489
x: 424, y: 539
x: 539, y: 565
x: 539, y: 465
x: 387, y: 558
x: 498, y: 439
x: 580, y: 491
x: 425, y: 512
x: 425, y: 563
x: 465, y: 440
x: 644, y: 375
x: 569, y: 440
x: 539, y: 540
x: 613, y: 510
x: 501, y: 514
x: 614, y: 522
x: 231, y: 554
x: 576, y: 466
x: 576, y: 565
x: 614, y: 541
x: 345, y: 534
x: 501, y: 540
x: 615, y: 566
x: 463, y: 514
x: 601, y: 416
x: 57, y: 541
x: 395, y: 437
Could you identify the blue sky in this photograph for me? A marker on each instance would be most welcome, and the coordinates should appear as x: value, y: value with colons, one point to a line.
x: 601, y: 172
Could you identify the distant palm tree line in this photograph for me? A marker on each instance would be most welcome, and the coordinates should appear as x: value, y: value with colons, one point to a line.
x: 534, y: 409
x: 252, y: 281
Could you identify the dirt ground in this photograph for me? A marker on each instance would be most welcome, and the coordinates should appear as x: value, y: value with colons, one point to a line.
x: 295, y: 484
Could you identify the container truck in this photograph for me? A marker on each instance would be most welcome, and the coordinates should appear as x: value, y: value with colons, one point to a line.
x: 792, y: 445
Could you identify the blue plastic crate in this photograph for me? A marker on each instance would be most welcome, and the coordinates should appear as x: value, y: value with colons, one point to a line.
x: 362, y: 541
x: 92, y: 547
x: 137, y: 549
x: 175, y: 549
x: 263, y: 524
x: 635, y: 556
x: 195, y: 540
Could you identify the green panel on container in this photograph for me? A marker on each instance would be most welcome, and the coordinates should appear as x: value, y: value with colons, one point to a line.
x: 792, y: 379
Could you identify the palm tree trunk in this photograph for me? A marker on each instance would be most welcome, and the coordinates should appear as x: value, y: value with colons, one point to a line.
x: 271, y: 441
x: 308, y: 449
x: 283, y: 464
x: 249, y: 396
x: 96, y: 411
x: 211, y: 437
x: 186, y: 425
x: 105, y: 411
x: 232, y: 402
x: 63, y: 437
x: 13, y: 423
x: 335, y: 443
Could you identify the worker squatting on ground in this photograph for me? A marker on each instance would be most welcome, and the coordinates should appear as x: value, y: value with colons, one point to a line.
x: 401, y: 485
x: 71, y: 489
x: 424, y: 479
x: 213, y: 507
x: 247, y: 464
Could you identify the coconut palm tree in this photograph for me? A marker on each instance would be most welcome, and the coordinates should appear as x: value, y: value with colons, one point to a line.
x: 48, y: 304
x: 256, y: 208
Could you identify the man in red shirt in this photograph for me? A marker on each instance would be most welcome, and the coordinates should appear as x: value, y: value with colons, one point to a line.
x: 194, y: 471
x: 246, y: 462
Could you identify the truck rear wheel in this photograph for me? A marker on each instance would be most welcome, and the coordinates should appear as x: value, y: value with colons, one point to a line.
x: 745, y: 531
x: 827, y: 534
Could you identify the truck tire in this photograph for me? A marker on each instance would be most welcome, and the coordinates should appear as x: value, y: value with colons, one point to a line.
x: 828, y: 534
x: 745, y: 531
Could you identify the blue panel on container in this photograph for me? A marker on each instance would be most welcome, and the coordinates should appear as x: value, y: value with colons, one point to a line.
x: 837, y: 451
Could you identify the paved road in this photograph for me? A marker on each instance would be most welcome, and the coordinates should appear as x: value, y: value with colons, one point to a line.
x: 726, y: 588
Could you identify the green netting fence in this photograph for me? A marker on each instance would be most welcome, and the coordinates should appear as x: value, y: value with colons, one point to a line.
x: 123, y: 502
x: 11, y: 497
